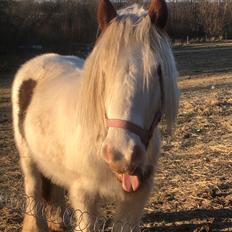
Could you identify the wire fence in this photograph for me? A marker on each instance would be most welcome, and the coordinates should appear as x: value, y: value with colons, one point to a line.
x: 72, y: 219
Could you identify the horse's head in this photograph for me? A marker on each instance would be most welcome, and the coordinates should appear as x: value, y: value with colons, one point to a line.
x: 135, y: 84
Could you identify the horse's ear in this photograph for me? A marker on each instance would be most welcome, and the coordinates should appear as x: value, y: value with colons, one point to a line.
x: 105, y: 13
x: 158, y: 12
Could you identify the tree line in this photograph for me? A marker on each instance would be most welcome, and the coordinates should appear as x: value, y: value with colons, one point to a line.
x: 64, y: 23
x: 201, y: 19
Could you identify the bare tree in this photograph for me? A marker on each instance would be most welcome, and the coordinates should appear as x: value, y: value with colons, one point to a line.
x: 64, y: 23
x: 212, y: 18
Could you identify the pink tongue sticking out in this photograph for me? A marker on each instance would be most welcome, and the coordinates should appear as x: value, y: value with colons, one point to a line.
x: 130, y: 183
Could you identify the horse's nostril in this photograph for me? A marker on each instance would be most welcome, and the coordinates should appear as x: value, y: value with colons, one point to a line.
x: 111, y: 155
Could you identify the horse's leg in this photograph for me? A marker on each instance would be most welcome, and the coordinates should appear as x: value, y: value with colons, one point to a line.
x: 33, y: 218
x: 85, y: 205
x: 130, y: 210
x: 54, y: 196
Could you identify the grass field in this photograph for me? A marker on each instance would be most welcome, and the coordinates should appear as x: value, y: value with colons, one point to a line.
x: 193, y: 183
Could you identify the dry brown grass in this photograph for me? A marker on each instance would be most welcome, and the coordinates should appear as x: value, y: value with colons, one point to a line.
x: 193, y: 183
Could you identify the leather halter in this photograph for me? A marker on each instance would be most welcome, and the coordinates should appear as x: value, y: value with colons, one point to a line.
x: 145, y: 135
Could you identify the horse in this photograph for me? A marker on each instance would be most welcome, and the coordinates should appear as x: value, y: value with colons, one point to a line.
x: 91, y: 126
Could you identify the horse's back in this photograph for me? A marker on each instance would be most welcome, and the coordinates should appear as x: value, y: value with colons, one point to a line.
x: 47, y: 66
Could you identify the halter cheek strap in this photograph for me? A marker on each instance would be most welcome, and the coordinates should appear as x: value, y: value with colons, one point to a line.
x: 145, y: 135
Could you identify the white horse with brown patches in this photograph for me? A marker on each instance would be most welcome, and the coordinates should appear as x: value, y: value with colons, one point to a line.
x: 91, y: 126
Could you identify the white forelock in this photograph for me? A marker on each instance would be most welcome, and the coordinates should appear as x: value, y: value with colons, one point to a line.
x: 134, y: 9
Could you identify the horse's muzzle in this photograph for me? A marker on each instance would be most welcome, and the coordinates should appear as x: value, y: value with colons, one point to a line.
x: 129, y: 169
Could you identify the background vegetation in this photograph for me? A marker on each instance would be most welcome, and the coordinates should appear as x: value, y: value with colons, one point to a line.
x: 68, y: 24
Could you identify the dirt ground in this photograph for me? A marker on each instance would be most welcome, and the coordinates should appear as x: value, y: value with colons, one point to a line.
x: 193, y: 182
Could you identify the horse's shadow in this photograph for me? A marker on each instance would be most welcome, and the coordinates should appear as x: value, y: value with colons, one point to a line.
x: 203, y: 220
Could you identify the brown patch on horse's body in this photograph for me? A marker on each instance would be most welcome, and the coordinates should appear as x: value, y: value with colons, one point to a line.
x: 25, y: 96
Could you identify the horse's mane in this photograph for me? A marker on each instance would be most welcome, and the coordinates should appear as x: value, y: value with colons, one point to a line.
x: 106, y: 62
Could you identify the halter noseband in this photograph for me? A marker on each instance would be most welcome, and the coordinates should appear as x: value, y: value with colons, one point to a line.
x: 145, y: 135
